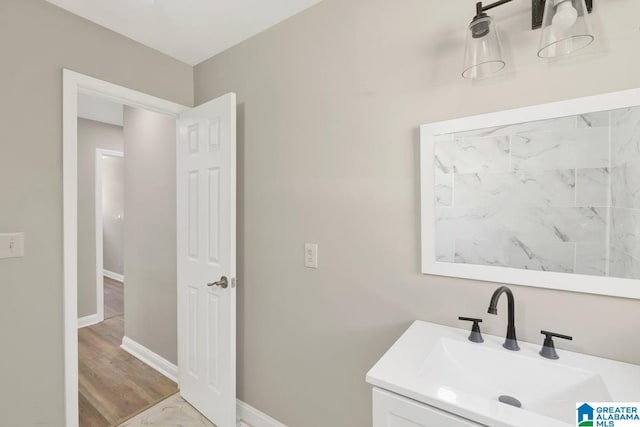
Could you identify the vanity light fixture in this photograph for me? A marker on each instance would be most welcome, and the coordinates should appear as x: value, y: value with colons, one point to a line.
x: 565, y: 29
x: 483, y: 52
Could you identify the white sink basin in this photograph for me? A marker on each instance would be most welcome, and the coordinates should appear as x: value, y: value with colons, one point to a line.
x: 439, y: 366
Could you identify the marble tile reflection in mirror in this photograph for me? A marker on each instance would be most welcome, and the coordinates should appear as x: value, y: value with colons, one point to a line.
x: 560, y: 195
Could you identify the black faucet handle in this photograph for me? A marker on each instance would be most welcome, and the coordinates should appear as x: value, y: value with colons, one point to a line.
x: 548, y: 349
x: 470, y: 319
x: 475, y: 335
x: 553, y: 334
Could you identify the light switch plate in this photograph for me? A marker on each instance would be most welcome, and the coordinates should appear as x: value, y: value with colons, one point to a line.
x: 311, y: 255
x: 11, y: 245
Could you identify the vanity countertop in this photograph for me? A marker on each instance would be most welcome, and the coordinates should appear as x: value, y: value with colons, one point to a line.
x: 437, y: 365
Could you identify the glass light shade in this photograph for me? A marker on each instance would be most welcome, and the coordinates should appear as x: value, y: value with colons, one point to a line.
x: 483, y: 53
x: 565, y: 28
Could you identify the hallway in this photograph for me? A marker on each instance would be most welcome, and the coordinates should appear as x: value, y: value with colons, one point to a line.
x: 113, y: 385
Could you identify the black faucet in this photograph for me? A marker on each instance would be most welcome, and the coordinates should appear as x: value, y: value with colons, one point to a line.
x: 510, y: 343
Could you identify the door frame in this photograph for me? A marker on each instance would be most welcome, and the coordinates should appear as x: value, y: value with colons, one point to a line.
x: 100, y: 154
x: 74, y: 83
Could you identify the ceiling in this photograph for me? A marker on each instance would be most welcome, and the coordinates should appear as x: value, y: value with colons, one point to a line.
x: 188, y: 30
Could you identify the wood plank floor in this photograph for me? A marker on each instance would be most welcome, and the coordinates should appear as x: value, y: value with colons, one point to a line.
x: 113, y: 385
x: 113, y: 298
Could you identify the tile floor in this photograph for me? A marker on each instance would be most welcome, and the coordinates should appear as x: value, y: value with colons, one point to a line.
x: 173, y: 411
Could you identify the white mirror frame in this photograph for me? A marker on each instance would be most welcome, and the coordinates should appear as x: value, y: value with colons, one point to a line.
x: 612, y: 286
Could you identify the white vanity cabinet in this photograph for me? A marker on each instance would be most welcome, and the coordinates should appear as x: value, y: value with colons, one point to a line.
x: 393, y: 410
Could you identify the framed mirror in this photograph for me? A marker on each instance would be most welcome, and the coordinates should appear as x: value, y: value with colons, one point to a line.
x: 545, y: 196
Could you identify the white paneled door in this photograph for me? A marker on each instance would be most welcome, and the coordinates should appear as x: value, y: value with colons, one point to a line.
x: 206, y: 195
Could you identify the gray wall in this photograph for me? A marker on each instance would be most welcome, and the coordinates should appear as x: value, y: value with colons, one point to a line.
x: 113, y: 213
x: 37, y: 40
x: 330, y: 102
x: 91, y: 135
x: 150, y: 308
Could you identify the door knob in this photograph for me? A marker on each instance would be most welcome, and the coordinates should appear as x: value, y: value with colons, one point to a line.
x: 223, y: 283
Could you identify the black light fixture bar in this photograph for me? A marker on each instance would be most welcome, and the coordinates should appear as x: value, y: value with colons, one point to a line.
x: 496, y: 4
x: 482, y: 28
x: 537, y: 12
x: 480, y: 9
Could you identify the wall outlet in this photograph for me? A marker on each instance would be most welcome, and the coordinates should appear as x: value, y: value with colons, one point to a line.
x: 311, y: 255
x: 11, y: 245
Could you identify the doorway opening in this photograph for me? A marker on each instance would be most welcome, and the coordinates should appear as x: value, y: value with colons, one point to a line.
x: 113, y: 383
x: 75, y: 85
x: 200, y: 170
x: 110, y: 230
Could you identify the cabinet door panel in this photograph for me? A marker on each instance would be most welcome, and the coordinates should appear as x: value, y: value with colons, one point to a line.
x: 392, y: 410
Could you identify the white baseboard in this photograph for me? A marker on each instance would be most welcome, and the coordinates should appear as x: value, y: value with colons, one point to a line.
x: 115, y: 276
x: 249, y: 416
x: 89, y: 320
x: 147, y: 356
